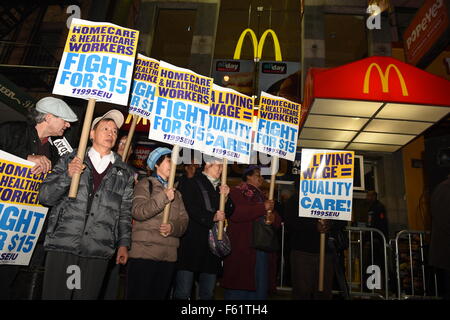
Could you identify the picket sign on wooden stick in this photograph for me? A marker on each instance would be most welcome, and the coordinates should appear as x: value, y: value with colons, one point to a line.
x: 129, y: 138
x: 82, y: 146
x: 322, y: 260
x: 273, y: 175
x: 222, y: 196
x: 173, y: 168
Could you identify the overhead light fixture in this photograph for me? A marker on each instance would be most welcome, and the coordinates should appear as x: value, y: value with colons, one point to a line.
x: 378, y: 6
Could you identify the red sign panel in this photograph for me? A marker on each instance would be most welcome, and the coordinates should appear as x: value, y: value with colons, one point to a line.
x: 378, y: 79
x: 429, y: 24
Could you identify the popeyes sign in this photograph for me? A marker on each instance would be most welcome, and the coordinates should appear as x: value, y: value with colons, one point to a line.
x: 428, y: 33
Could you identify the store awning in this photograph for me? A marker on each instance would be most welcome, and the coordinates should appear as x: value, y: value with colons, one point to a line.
x: 374, y: 104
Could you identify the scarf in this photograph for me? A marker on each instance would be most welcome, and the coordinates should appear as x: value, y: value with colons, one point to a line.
x: 165, y: 183
x: 214, y: 182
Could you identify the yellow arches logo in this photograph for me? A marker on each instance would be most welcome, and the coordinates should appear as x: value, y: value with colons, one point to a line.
x: 140, y: 119
x: 384, y: 77
x: 258, y: 46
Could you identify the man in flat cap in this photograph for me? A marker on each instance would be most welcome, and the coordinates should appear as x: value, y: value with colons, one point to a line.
x: 41, y: 142
x: 85, y: 232
x: 52, y: 116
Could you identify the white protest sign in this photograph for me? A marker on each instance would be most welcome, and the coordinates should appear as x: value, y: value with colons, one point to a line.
x: 181, y: 107
x: 230, y: 124
x: 326, y: 184
x: 97, y: 62
x: 277, y: 126
x: 21, y: 216
x: 144, y: 86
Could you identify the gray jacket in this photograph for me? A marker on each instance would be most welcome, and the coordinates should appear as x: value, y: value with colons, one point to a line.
x: 91, y: 226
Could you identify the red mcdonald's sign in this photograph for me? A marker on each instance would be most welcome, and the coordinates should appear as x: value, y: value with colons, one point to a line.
x: 377, y: 79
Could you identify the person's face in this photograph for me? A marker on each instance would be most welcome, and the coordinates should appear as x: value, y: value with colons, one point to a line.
x: 105, y: 135
x: 163, y: 169
x: 214, y: 170
x: 56, y: 126
x: 121, y: 146
x: 370, y: 197
x: 256, y: 179
x: 190, y: 169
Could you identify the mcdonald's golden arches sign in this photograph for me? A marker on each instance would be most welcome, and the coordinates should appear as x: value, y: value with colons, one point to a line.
x: 380, y: 79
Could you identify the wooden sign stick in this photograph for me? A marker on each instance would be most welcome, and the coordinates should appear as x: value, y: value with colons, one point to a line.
x: 222, y: 197
x: 321, y: 261
x: 273, y: 176
x: 129, y: 138
x: 82, y: 146
x: 173, y: 168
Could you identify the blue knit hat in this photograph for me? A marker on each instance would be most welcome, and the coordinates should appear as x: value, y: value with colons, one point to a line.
x: 154, y: 156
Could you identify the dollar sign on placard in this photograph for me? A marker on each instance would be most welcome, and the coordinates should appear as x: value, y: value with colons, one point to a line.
x: 12, y: 246
x: 102, y: 82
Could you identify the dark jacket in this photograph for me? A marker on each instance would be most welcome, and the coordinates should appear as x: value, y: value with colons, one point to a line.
x: 302, y: 231
x: 21, y: 139
x: 92, y: 225
x: 440, y: 226
x: 379, y: 219
x: 239, y: 266
x: 194, y: 253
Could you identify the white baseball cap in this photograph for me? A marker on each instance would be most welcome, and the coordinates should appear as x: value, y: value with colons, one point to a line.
x: 56, y: 107
x: 114, y: 114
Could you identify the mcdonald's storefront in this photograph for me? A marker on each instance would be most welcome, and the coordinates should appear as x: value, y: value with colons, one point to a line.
x: 380, y: 107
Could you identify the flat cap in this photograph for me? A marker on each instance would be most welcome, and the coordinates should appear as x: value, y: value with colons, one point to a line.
x: 154, y: 156
x: 56, y: 107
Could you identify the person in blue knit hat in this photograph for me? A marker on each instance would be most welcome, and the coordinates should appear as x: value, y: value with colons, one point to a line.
x: 154, y: 244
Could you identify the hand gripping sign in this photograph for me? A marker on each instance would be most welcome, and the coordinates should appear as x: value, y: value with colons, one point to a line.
x: 229, y: 131
x: 326, y: 189
x: 97, y: 64
x: 142, y: 94
x: 21, y: 215
x: 180, y: 112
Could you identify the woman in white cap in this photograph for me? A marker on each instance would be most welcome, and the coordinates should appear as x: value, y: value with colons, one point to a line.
x: 154, y: 244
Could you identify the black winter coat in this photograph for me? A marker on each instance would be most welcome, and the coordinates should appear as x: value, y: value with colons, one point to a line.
x: 440, y: 226
x: 194, y: 253
x: 21, y: 139
x: 92, y: 225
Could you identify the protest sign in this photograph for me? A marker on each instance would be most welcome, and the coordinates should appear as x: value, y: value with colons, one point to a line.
x: 142, y: 94
x: 277, y: 126
x: 21, y: 215
x: 180, y: 111
x: 97, y: 62
x: 326, y: 184
x: 326, y: 190
x: 144, y: 86
x: 230, y: 124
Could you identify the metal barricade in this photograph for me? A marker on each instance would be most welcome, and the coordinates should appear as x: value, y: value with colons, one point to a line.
x: 414, y: 278
x: 356, y: 238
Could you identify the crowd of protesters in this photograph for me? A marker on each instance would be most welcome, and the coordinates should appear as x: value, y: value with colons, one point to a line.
x: 116, y: 221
